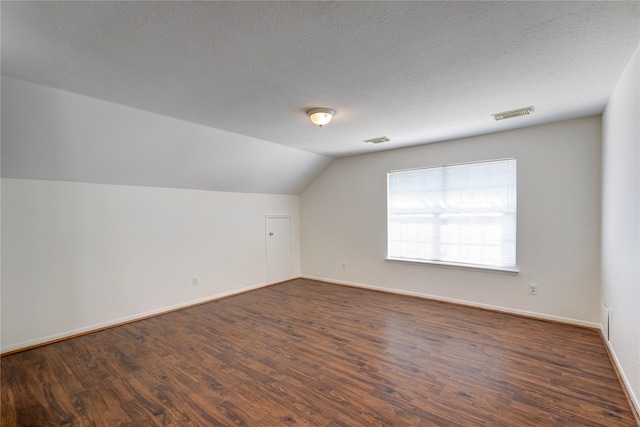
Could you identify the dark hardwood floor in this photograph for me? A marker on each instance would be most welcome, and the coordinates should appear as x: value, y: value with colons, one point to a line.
x: 310, y: 353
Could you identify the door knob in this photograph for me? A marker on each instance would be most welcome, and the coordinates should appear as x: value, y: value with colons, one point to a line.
x: 271, y: 233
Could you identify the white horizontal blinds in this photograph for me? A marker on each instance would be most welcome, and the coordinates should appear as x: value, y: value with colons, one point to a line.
x: 459, y: 214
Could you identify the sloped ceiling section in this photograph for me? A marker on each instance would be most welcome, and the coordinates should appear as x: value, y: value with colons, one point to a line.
x: 414, y: 71
x: 57, y: 135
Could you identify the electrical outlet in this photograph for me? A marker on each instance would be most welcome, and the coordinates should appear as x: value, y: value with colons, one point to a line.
x: 194, y: 281
x: 533, y: 289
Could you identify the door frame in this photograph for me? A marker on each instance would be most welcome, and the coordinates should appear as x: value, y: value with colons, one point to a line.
x: 266, y: 241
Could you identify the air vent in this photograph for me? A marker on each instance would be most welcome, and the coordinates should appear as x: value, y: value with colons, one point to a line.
x: 513, y: 113
x: 377, y: 140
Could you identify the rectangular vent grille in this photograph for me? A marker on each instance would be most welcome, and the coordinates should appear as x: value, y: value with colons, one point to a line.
x: 377, y: 140
x: 513, y: 113
x: 605, y: 316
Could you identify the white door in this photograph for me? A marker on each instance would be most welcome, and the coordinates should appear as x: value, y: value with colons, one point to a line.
x: 279, y: 251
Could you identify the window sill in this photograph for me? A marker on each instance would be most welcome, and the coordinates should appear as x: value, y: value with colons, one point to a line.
x: 476, y: 267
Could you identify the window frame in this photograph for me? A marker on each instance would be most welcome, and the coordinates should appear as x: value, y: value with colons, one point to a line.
x: 452, y: 264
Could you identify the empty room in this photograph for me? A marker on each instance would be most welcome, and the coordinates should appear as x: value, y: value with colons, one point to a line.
x: 320, y: 213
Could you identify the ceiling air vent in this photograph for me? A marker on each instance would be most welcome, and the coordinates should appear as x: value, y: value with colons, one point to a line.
x: 377, y: 140
x: 513, y: 113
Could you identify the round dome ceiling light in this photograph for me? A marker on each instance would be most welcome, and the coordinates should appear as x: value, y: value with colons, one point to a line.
x: 321, y: 116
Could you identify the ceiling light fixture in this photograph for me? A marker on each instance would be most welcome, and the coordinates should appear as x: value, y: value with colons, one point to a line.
x: 513, y: 113
x: 321, y: 116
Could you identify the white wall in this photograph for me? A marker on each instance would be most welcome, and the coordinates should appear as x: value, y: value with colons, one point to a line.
x: 76, y: 256
x: 621, y: 222
x: 80, y: 251
x: 344, y: 220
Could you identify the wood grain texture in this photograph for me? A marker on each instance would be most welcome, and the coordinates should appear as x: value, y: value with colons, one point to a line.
x: 308, y: 353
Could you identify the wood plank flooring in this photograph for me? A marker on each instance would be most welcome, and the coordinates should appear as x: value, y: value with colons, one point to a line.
x: 308, y: 353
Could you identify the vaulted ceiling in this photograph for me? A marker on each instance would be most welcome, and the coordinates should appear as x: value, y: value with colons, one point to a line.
x: 416, y: 72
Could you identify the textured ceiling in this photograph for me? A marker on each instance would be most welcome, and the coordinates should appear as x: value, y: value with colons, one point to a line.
x: 416, y: 72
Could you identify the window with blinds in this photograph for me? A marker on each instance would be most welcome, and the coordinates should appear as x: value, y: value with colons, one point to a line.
x: 459, y: 214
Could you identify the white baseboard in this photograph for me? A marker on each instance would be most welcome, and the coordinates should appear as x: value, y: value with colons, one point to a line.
x: 127, y: 319
x: 167, y: 309
x: 532, y: 314
x: 625, y: 382
x: 623, y: 377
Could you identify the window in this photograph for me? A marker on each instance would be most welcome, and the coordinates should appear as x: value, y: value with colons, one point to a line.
x: 459, y: 214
